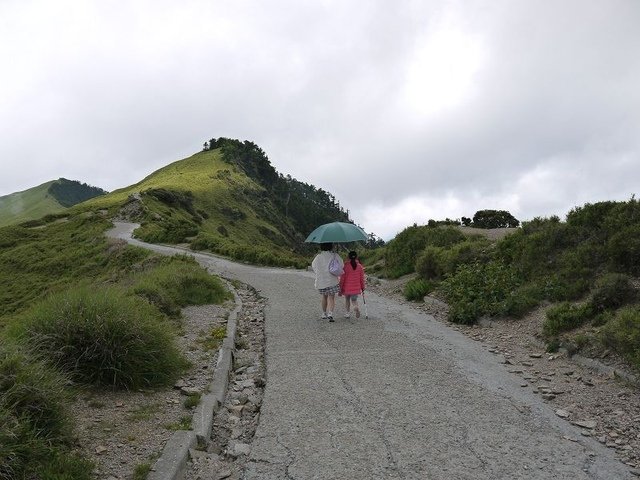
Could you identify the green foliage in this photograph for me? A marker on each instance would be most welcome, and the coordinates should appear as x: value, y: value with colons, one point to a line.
x: 179, y: 281
x: 566, y: 316
x: 34, y: 261
x: 141, y: 471
x: 522, y: 300
x: 167, y: 230
x: 494, y: 219
x: 35, y: 427
x: 401, y: 252
x: 257, y: 255
x: 102, y: 337
x: 479, y: 289
x: 72, y: 192
x: 622, y: 334
x: 416, y: 289
x: 612, y: 291
x: 623, y: 250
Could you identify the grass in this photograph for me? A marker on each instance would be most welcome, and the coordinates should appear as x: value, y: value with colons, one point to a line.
x: 212, y: 340
x: 192, y: 401
x: 230, y: 212
x: 179, y: 281
x: 102, y: 337
x: 29, y: 204
x: 141, y: 471
x: 35, y: 424
x: 183, y: 424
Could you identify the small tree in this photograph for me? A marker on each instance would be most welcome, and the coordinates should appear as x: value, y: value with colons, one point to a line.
x: 494, y: 219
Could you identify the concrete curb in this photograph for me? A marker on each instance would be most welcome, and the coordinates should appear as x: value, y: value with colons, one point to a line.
x: 173, y: 460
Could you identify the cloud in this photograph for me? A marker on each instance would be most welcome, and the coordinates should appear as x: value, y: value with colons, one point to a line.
x: 406, y: 112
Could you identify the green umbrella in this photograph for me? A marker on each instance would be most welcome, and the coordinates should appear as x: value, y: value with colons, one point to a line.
x: 337, y: 232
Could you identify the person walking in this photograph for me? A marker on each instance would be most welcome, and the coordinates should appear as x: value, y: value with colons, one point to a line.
x: 352, y: 283
x: 327, y: 283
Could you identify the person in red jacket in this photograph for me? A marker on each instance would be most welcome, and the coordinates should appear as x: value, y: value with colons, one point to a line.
x: 352, y: 283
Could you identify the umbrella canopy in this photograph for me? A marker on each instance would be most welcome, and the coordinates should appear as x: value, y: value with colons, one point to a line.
x: 337, y: 232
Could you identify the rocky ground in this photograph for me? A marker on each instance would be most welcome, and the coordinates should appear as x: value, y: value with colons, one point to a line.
x: 597, y: 398
x: 236, y: 422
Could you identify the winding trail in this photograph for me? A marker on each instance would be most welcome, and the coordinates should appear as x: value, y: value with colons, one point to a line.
x: 397, y: 396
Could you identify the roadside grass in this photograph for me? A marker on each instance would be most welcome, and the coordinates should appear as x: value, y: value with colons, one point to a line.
x: 102, y: 337
x: 177, y: 282
x: 36, y: 439
x: 67, y: 294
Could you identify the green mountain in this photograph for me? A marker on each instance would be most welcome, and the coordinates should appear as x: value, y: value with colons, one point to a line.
x: 49, y: 198
x: 227, y: 199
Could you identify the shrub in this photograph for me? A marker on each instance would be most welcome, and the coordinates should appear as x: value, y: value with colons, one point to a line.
x: 102, y: 337
x: 623, y: 249
x: 522, y: 300
x: 179, y: 283
x: 429, y: 264
x: 35, y: 427
x: 402, y: 251
x: 416, y: 289
x: 612, y: 291
x: 478, y: 289
x: 34, y: 393
x: 565, y: 316
x: 622, y: 334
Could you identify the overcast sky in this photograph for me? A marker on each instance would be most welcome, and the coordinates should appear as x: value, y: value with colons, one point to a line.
x: 405, y: 110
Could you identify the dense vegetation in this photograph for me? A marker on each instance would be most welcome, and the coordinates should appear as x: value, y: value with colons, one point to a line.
x: 304, y: 205
x: 77, y: 309
x: 585, y: 265
x: 72, y: 192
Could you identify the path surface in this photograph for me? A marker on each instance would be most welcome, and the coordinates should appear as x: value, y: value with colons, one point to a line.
x: 397, y: 396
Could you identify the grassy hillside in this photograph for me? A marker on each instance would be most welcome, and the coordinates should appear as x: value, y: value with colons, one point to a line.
x: 28, y: 205
x: 46, y: 199
x: 213, y: 201
x: 79, y: 309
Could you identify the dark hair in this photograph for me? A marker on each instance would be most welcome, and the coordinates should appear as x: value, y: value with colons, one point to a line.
x: 352, y: 256
x: 326, y: 247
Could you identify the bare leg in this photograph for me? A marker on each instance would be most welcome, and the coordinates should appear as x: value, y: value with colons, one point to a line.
x: 331, y: 303
x: 346, y: 304
x: 324, y: 303
x: 356, y: 309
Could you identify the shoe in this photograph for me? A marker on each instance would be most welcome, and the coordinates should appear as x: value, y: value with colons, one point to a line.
x: 357, y: 313
x: 324, y: 316
x: 330, y: 318
x: 347, y: 315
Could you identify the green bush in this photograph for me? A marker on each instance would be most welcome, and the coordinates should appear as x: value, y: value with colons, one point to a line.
x: 35, y: 427
x: 622, y: 334
x: 416, y: 289
x: 522, y: 300
x: 430, y: 263
x: 179, y: 282
x: 402, y: 251
x: 623, y: 249
x: 102, y: 337
x: 478, y: 289
x: 612, y: 291
x: 565, y: 316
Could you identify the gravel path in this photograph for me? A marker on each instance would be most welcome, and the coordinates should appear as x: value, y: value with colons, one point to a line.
x: 399, y: 396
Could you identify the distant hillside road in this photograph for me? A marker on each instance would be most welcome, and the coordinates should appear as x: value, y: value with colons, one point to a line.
x: 397, y: 396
